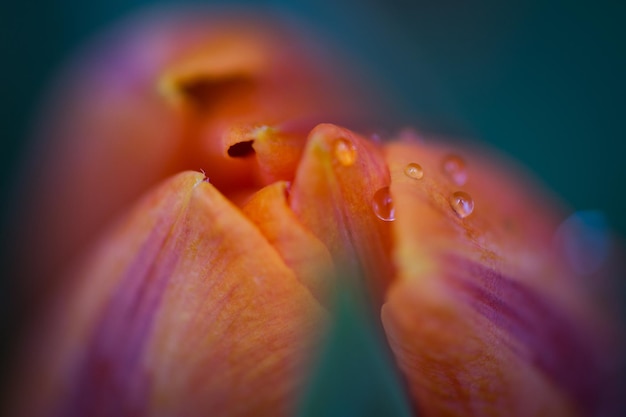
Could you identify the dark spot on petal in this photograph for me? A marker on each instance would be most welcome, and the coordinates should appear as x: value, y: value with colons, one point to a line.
x: 204, y: 93
x: 241, y: 149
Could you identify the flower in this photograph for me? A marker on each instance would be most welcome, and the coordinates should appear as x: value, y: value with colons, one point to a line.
x: 211, y: 293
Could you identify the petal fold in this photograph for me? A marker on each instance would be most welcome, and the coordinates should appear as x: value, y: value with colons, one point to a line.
x: 309, y: 258
x: 184, y: 309
x: 332, y: 195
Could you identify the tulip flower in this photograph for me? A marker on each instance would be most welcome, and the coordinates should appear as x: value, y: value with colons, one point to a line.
x: 210, y: 190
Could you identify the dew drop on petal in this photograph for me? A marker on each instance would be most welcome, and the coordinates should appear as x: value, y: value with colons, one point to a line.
x: 462, y: 204
x: 382, y: 203
x: 414, y: 171
x: 454, y: 168
x: 345, y: 152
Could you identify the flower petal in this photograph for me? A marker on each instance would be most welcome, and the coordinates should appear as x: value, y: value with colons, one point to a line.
x: 332, y: 194
x: 185, y: 309
x: 308, y: 257
x: 156, y: 97
x: 278, y: 149
x: 483, y: 316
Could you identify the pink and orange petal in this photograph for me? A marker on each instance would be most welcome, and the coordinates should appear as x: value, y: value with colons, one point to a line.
x: 483, y: 315
x: 184, y: 308
x: 209, y: 296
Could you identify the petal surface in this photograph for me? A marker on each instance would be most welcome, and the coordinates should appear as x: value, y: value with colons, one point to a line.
x: 332, y: 195
x: 184, y: 309
x: 309, y: 258
x: 157, y: 96
x: 277, y: 149
x: 483, y: 316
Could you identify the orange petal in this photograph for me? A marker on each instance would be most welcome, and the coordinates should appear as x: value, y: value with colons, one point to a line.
x: 300, y: 249
x: 277, y: 149
x: 483, y: 318
x: 156, y: 97
x: 185, y: 309
x: 332, y: 195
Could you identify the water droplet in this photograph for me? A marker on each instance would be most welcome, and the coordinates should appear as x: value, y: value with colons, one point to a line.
x: 414, y: 171
x: 345, y: 152
x: 462, y: 204
x: 454, y: 168
x: 382, y: 204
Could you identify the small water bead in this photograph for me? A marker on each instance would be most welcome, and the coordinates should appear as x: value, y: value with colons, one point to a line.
x: 462, y: 204
x: 345, y: 152
x: 414, y: 171
x: 454, y: 168
x: 382, y: 203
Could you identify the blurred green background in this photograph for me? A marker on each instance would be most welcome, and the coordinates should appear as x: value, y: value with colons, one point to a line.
x: 541, y: 80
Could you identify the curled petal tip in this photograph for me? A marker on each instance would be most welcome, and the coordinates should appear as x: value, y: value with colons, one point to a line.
x: 347, y: 170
